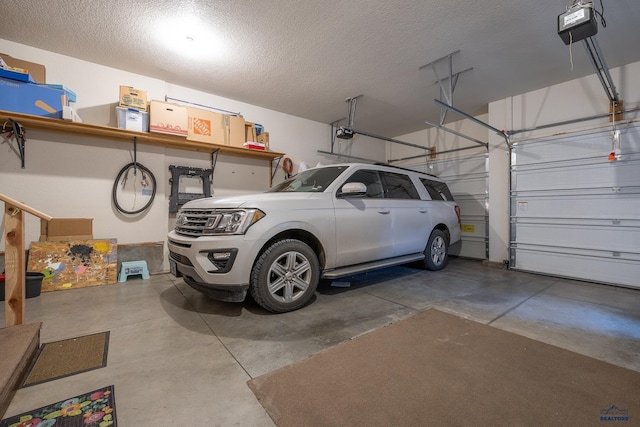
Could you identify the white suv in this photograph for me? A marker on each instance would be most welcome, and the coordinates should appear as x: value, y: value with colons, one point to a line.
x: 324, y: 223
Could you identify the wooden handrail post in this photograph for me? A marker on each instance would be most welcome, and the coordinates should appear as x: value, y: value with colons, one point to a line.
x: 14, y: 286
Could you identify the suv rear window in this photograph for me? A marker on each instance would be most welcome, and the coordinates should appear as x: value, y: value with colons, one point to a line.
x: 399, y: 186
x: 437, y: 190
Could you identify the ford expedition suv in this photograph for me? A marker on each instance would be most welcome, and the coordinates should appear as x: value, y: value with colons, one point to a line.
x: 324, y: 223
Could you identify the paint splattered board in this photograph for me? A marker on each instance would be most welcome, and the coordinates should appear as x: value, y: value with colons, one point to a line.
x: 74, y: 264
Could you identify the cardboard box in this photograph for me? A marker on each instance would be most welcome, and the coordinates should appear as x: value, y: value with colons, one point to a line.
x: 16, y: 75
x: 206, y: 126
x: 69, y: 113
x: 29, y: 98
x: 250, y: 132
x: 263, y: 138
x: 37, y: 71
x: 133, y: 98
x: 71, y: 95
x: 132, y: 119
x: 66, y: 229
x: 235, y: 128
x: 165, y: 117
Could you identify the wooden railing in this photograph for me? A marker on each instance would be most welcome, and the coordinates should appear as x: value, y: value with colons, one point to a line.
x: 14, y: 258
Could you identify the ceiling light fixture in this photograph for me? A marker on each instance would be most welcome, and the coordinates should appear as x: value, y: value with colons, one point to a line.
x: 191, y: 38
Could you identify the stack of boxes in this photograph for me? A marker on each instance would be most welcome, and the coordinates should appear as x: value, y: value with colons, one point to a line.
x: 23, y: 89
x: 194, y: 124
x: 205, y: 125
x: 132, y: 109
x: 255, y: 137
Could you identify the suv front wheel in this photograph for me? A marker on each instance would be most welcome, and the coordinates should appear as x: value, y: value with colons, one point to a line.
x: 285, y: 276
x: 437, y: 251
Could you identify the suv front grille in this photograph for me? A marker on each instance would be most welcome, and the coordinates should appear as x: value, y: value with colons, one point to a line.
x: 192, y: 222
x: 180, y: 258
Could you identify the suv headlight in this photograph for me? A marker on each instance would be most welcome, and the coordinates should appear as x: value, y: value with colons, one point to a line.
x: 235, y: 221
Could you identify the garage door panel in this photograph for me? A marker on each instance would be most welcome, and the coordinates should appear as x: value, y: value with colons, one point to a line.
x: 467, y: 180
x: 471, y: 185
x: 471, y: 207
x: 475, y: 228
x: 614, y: 206
x: 472, y: 247
x: 589, y: 176
x: 459, y: 166
x: 574, y: 212
x: 595, y: 266
x: 611, y: 239
x: 580, y: 145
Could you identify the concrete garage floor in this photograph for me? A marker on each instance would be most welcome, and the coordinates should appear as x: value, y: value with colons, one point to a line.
x: 177, y: 358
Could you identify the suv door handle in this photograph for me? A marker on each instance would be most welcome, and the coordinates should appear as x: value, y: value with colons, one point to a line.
x: 423, y: 210
x: 384, y: 211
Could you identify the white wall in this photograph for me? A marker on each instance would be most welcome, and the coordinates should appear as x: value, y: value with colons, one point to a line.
x: 72, y: 176
x: 441, y: 140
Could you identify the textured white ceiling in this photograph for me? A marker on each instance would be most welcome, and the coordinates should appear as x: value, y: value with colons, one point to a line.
x: 306, y: 57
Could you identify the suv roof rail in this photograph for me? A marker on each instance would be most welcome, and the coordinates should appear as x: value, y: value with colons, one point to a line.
x: 404, y: 169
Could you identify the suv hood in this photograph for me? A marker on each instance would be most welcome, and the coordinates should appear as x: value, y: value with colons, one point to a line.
x: 247, y: 200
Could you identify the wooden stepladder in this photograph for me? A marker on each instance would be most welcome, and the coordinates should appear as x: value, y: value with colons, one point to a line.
x: 14, y: 258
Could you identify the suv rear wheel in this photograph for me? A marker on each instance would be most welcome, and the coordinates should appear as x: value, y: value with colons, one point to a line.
x: 437, y: 251
x: 285, y: 276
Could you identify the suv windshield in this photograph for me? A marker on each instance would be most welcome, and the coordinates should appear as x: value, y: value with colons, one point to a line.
x: 311, y: 180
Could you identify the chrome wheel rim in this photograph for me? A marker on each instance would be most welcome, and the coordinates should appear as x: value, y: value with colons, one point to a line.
x: 289, y: 277
x: 438, y: 250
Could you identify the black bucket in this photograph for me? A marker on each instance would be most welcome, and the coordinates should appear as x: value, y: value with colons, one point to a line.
x: 33, y: 283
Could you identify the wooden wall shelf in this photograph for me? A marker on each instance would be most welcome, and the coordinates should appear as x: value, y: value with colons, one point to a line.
x: 106, y: 132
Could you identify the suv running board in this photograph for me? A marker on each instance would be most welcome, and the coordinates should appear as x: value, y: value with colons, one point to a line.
x: 369, y: 266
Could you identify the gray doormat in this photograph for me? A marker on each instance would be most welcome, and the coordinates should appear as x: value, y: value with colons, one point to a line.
x: 72, y: 356
x: 438, y: 369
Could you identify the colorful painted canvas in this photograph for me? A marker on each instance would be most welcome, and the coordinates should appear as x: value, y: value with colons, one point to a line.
x: 74, y: 264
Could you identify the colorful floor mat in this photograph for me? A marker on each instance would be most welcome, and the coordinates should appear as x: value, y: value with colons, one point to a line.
x: 94, y: 409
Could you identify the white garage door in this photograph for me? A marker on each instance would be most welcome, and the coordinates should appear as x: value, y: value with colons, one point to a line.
x: 467, y: 178
x: 574, y: 212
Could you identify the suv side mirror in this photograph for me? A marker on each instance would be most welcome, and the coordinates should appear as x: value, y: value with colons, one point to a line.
x: 353, y: 189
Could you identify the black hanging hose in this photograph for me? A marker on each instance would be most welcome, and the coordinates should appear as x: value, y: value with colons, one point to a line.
x: 145, y: 172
